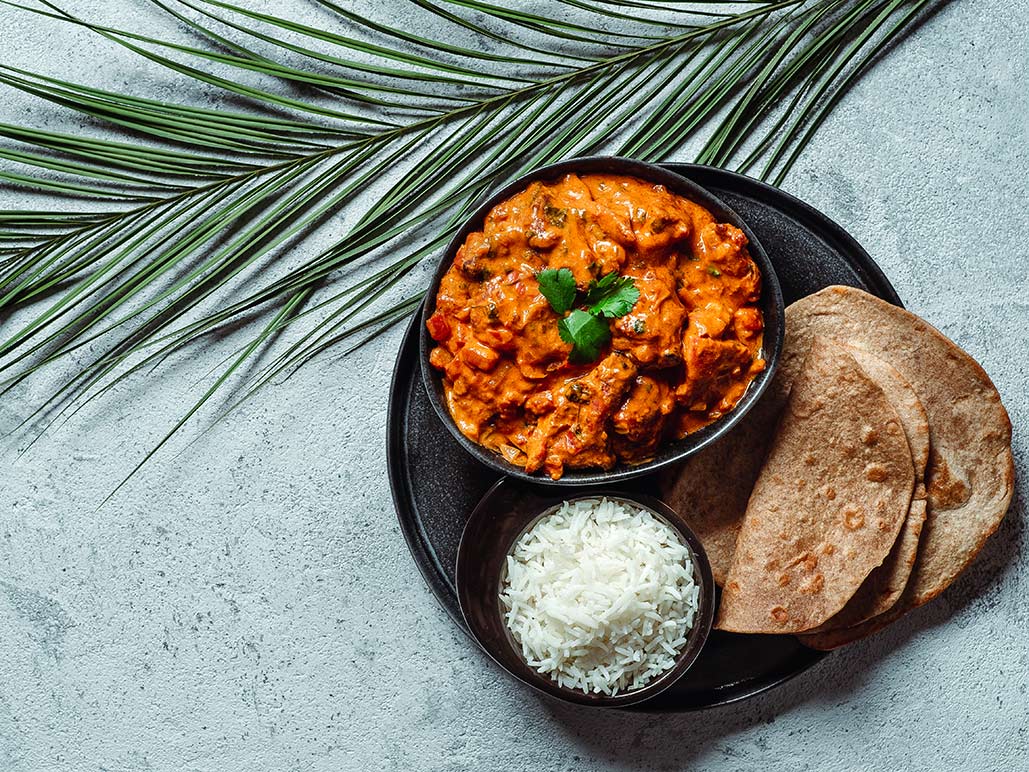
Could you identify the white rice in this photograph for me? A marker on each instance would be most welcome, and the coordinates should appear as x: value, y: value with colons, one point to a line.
x: 600, y: 596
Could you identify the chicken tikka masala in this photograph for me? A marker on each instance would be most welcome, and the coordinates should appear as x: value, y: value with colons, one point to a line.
x: 678, y: 359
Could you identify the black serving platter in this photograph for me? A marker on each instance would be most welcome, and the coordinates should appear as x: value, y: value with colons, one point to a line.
x: 670, y: 452
x: 436, y: 484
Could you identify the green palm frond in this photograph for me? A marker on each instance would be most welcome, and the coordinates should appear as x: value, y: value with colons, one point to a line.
x: 171, y: 224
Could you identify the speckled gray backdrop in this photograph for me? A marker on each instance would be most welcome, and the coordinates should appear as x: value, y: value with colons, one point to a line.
x: 250, y: 604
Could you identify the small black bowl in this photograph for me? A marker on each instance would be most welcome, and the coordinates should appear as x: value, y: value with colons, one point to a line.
x: 772, y: 306
x: 507, y: 510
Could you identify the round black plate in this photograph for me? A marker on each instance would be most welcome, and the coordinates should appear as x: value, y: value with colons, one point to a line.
x: 436, y: 484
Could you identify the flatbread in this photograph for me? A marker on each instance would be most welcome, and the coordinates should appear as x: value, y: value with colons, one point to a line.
x: 970, y: 475
x: 970, y: 472
x: 710, y: 490
x: 831, y: 635
x: 904, y: 398
x: 884, y: 586
x: 828, y: 504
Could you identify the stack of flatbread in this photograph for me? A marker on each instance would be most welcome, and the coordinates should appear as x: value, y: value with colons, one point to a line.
x: 863, y: 483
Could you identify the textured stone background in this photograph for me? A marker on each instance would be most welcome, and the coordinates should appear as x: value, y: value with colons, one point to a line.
x: 250, y: 603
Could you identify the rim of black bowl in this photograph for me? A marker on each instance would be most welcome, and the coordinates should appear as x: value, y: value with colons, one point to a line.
x: 547, y: 503
x: 669, y: 452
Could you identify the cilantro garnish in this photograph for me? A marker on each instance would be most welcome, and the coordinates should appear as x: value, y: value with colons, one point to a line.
x: 587, y: 334
x: 612, y: 296
x: 557, y: 286
x: 587, y: 329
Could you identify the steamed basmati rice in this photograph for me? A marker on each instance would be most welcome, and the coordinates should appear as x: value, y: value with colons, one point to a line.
x: 600, y: 596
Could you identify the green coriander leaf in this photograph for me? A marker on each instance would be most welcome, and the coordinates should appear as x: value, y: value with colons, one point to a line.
x: 612, y: 296
x: 606, y: 282
x: 557, y: 286
x: 587, y: 334
x: 713, y: 271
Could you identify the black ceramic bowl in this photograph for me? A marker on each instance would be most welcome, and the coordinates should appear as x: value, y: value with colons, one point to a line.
x: 509, y: 509
x: 772, y: 306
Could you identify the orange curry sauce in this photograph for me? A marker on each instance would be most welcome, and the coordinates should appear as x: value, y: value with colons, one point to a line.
x: 679, y: 360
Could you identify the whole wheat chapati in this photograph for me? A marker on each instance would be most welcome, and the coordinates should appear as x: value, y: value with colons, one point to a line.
x: 833, y: 636
x: 828, y: 504
x: 884, y: 586
x: 970, y: 474
x: 711, y: 489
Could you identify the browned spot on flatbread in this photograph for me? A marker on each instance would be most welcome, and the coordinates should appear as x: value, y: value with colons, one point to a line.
x: 813, y: 584
x: 853, y: 518
x: 876, y: 472
x: 947, y: 490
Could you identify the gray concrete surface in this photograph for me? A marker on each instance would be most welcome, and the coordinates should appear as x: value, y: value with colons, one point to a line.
x: 250, y: 604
